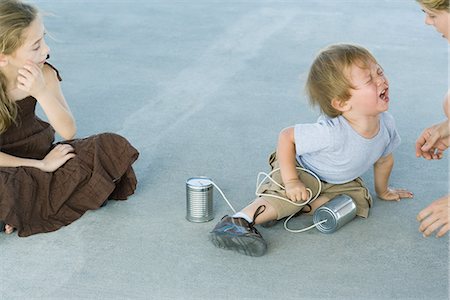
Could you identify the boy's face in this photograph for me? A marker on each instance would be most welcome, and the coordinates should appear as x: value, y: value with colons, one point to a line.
x: 439, y: 19
x: 34, y: 48
x: 370, y: 96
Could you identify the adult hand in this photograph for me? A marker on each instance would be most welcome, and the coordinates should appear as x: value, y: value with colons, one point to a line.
x: 31, y: 79
x: 296, y: 191
x: 434, y: 141
x: 392, y: 194
x: 57, y: 157
x: 435, y: 216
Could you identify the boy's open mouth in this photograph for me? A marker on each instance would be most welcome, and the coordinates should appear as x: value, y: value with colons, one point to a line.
x: 384, y: 95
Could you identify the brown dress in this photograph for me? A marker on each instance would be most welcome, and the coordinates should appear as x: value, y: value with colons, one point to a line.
x: 34, y: 201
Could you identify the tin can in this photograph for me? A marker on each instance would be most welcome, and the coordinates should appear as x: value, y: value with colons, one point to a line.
x: 337, y: 212
x: 199, y: 199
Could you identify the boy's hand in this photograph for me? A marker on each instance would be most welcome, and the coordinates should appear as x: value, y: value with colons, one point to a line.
x: 296, y: 191
x: 392, y: 194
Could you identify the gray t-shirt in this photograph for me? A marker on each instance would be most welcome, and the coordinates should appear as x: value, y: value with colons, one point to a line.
x: 336, y: 153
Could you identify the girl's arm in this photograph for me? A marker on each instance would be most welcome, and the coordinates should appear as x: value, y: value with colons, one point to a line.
x: 44, y: 86
x: 382, y: 170
x: 51, y: 162
x: 295, y: 189
x: 7, y: 160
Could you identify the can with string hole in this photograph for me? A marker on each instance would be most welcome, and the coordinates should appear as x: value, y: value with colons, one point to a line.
x: 337, y: 212
x: 199, y: 199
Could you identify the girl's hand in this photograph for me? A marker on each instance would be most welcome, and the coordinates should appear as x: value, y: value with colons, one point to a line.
x: 31, y: 79
x: 296, y: 191
x: 392, y: 194
x: 57, y: 157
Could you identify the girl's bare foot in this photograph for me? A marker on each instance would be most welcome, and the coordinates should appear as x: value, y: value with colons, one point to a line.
x: 8, y: 229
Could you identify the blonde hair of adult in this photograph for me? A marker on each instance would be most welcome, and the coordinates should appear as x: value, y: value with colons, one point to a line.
x: 328, y: 76
x: 15, y: 17
x: 435, y: 4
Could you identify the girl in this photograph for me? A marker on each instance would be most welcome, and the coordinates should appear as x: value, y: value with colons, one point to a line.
x: 43, y: 185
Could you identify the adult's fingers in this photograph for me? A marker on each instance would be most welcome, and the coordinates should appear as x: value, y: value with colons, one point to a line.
x: 424, y: 213
x: 444, y: 229
x: 431, y: 141
x: 432, y: 227
x: 419, y: 144
x: 425, y: 223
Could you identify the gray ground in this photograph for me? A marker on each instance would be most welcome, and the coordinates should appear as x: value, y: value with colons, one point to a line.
x: 203, y: 88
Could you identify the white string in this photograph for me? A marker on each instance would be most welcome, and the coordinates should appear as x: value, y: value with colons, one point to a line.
x: 310, y: 199
x: 301, y: 230
x: 269, y: 176
x: 223, y: 195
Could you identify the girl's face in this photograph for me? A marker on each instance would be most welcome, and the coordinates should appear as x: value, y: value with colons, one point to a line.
x: 370, y: 96
x: 34, y: 48
x: 439, y: 19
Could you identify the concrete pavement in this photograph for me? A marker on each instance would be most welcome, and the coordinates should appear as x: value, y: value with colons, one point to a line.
x: 203, y: 87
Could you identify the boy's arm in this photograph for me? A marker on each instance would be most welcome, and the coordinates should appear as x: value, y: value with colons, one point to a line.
x: 295, y: 189
x: 382, y: 170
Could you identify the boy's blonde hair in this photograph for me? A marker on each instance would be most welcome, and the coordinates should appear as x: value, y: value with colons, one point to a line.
x: 435, y: 4
x: 328, y: 76
x: 15, y: 17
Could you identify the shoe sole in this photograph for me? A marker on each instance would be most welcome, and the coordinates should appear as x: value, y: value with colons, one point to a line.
x: 246, y: 245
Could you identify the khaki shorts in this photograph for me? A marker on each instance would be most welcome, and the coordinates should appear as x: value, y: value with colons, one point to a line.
x: 355, y: 189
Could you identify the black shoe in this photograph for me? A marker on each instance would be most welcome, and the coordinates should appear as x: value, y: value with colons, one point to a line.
x: 2, y: 226
x: 239, y: 235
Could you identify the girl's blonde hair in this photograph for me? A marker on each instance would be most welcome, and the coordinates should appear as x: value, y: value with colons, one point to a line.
x: 15, y: 17
x: 435, y: 4
x: 328, y: 76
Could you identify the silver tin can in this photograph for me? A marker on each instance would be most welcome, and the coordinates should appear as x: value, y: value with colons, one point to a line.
x: 338, y: 211
x: 199, y: 199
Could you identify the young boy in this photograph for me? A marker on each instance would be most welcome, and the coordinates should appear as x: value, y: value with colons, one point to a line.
x: 357, y: 132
